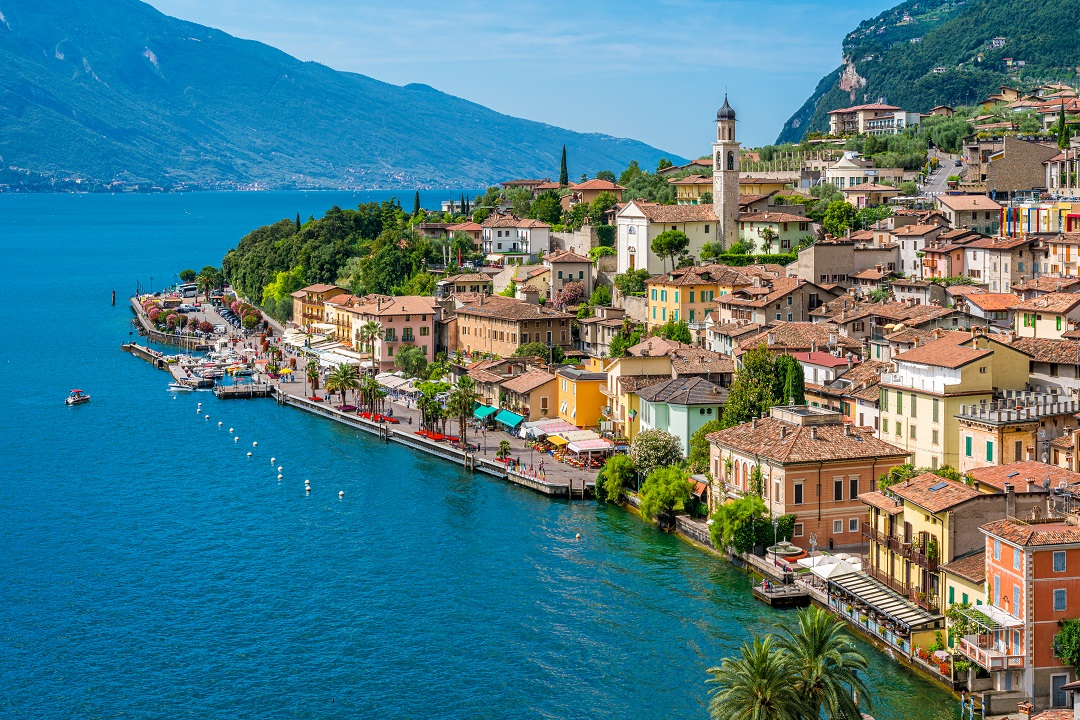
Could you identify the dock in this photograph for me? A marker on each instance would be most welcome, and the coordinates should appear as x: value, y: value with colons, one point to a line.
x: 245, y: 391
x: 782, y: 596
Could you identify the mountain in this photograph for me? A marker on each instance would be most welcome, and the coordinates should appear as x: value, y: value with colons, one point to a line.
x: 105, y: 90
x: 895, y: 55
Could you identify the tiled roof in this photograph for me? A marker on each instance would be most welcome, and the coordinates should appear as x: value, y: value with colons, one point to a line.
x: 881, y: 501
x: 468, y: 277
x: 998, y: 243
x: 746, y: 199
x: 485, y: 376
x: 869, y: 275
x: 1054, y: 715
x: 510, y: 309
x: 799, y: 336
x: 578, y: 375
x: 1024, y: 535
x: 869, y: 187
x: 993, y: 301
x: 736, y: 330
x: 917, y: 230
x: 527, y: 382
x: 685, y: 391
x: 1062, y: 443
x: 1069, y: 238
x: 780, y: 288
x: 1018, y: 473
x: 971, y: 567
x: 933, y: 492
x: 676, y: 213
x: 465, y: 227
x: 864, y: 375
x: 700, y: 361
x: 1049, y: 350
x: 654, y: 347
x: 964, y: 203
x: 955, y: 290
x: 1049, y: 284
x: 947, y: 351
x: 510, y: 221
x: 870, y: 106
x: 384, y: 305
x: 772, y: 217
x: 784, y: 442
x: 822, y: 359
x: 910, y: 335
x: 633, y: 383
x: 692, y: 180
x: 566, y: 256
x: 1055, y: 302
x: 320, y: 287
x: 596, y: 184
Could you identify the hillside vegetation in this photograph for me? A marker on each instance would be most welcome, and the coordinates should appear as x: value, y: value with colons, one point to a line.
x: 893, y: 57
x: 104, y: 90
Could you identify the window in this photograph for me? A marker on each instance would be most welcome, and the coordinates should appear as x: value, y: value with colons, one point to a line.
x: 838, y: 490
x: 911, y: 432
x: 853, y: 525
x: 1016, y: 602
x: 897, y: 429
x: 1017, y: 554
x: 913, y: 405
x: 936, y: 410
x: 853, y: 487
x: 997, y: 549
x: 997, y: 591
x: 967, y: 446
x: 663, y: 296
x: 1059, y: 561
x: 838, y: 527
x: 1060, y: 600
x: 899, y: 403
x: 797, y: 494
x: 425, y: 331
x: 654, y: 293
x: 691, y: 296
x: 798, y: 530
x: 1018, y: 451
x: 989, y: 451
x: 1054, y: 366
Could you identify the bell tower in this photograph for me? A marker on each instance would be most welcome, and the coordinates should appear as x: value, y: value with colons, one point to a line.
x: 726, y: 176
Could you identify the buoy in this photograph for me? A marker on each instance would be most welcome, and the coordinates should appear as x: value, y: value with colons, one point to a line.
x: 230, y: 429
x: 272, y: 460
x: 307, y: 489
x: 219, y: 423
x: 236, y: 439
x: 578, y: 536
x: 279, y: 468
x: 341, y: 493
x: 279, y: 478
x: 254, y: 444
x: 207, y: 417
x: 249, y: 453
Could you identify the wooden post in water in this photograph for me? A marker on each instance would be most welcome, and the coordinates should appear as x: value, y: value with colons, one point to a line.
x: 114, y: 298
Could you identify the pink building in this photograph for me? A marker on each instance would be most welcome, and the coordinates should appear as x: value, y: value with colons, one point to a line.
x: 404, y: 320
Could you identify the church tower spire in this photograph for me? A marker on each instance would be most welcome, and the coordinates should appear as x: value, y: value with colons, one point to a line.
x: 726, y: 176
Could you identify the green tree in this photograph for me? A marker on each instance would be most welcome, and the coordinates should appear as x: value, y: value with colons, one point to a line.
x: 740, y: 247
x: 653, y: 449
x: 510, y: 290
x: 789, y: 386
x: 504, y: 449
x: 1067, y: 642
x: 342, y: 379
x: 546, y: 208
x: 250, y: 321
x: 909, y: 188
x: 601, y: 296
x: 768, y: 237
x: 421, y: 283
x: 827, y: 664
x: 733, y: 523
x: 760, y: 684
x: 752, y: 391
x: 416, y: 204
x: 663, y: 164
x: 826, y: 193
x: 600, y: 206
x: 461, y: 402
x: 209, y: 278
x: 541, y: 350
x: 713, y: 250
x: 664, y: 489
x: 411, y: 359
x: 298, y: 226
x: 605, y: 175
x: 676, y: 331
x: 698, y: 459
x: 368, y: 333
x: 601, y: 251
x: 706, y: 197
x: 614, y: 477
x: 670, y: 243
x: 187, y: 275
x: 631, y: 282
x: 839, y: 216
x: 564, y: 176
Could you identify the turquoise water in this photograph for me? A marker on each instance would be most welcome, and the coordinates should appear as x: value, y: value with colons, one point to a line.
x: 151, y: 569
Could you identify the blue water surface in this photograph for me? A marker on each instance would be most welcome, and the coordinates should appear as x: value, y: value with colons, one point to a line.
x: 149, y: 568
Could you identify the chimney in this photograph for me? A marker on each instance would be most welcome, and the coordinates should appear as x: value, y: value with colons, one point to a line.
x: 753, y: 423
x: 813, y: 433
x: 771, y: 338
x: 847, y: 430
x: 1010, y: 500
x: 783, y: 431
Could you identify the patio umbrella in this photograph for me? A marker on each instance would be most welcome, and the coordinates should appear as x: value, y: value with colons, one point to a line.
x: 835, y: 569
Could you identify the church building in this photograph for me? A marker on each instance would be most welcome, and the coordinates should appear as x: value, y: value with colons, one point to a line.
x: 639, y: 222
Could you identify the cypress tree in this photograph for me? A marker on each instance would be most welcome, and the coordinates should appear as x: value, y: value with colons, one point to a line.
x: 1063, y: 132
x: 564, y: 176
x: 416, y: 204
x: 297, y: 222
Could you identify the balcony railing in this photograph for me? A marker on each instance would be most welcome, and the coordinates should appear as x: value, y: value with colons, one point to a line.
x: 871, y: 534
x: 927, y: 600
x: 980, y: 649
x: 884, y: 577
x: 920, y: 558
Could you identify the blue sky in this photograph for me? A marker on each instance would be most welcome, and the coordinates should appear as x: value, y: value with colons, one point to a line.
x: 653, y: 71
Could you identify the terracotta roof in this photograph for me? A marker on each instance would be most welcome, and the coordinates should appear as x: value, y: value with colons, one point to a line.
x: 675, y: 213
x: 993, y: 301
x: 1069, y: 238
x: 799, y: 336
x: 468, y: 277
x: 772, y: 217
x: 822, y: 359
x: 971, y: 567
x: 870, y: 106
x: 1066, y: 352
x: 909, y: 335
x: 746, y: 199
x: 566, y: 256
x: 864, y: 377
x: 736, y: 330
x: 684, y: 391
x: 633, y: 383
x: 465, y: 227
x: 933, y: 492
x: 510, y: 221
x: 869, y: 275
x: 881, y: 501
x: 861, y: 235
x: 998, y: 243
x: 1054, y: 715
x: 596, y: 184
x: 784, y: 442
x: 947, y: 351
x: 1024, y: 535
x: 580, y: 375
x: 485, y: 376
x: 692, y: 180
x: 510, y: 309
x: 954, y: 290
x: 527, y: 382
x: 1049, y: 284
x: 780, y: 288
x: 320, y: 287
x: 1018, y: 473
x: 654, y: 347
x: 964, y: 203
x: 700, y: 361
x: 918, y: 230
x: 1055, y: 302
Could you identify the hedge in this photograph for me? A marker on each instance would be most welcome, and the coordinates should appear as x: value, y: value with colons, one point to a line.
x: 606, y: 235
x: 742, y: 260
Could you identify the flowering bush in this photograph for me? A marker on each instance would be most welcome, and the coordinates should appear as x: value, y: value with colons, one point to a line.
x: 153, y: 313
x: 235, y: 306
x: 653, y: 449
x: 206, y: 327
x: 571, y: 293
x: 170, y: 321
x: 944, y: 668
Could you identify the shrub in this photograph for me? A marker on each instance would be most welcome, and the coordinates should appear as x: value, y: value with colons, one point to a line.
x: 616, y: 475
x: 652, y: 449
x: 662, y: 490
x: 206, y: 327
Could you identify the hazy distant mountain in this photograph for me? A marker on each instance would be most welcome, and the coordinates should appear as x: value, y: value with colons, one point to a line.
x: 113, y: 89
x: 923, y: 53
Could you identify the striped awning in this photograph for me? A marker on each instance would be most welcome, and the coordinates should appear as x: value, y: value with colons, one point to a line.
x: 884, y: 600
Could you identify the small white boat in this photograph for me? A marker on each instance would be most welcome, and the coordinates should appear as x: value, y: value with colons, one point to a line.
x: 180, y: 387
x: 77, y: 397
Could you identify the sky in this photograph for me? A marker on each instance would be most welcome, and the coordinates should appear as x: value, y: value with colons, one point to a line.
x: 653, y: 71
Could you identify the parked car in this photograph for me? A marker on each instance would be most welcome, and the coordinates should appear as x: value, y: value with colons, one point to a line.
x: 957, y: 163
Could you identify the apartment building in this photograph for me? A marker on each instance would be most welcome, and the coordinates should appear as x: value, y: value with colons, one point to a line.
x: 308, y: 304
x: 1048, y: 316
x: 498, y: 326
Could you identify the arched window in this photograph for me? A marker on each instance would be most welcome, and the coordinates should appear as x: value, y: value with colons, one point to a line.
x: 730, y: 161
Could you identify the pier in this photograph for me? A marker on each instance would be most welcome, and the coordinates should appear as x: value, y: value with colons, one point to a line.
x: 245, y: 391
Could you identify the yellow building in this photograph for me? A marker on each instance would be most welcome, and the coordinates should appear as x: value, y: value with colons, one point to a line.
x: 308, y: 304
x: 645, y: 364
x: 932, y: 383
x: 760, y: 186
x: 579, y: 397
x: 964, y: 580
x: 690, y: 293
x: 688, y: 190
x: 1047, y: 316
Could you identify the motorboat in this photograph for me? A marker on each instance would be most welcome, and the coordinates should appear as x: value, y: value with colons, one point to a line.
x: 180, y: 387
x: 77, y: 397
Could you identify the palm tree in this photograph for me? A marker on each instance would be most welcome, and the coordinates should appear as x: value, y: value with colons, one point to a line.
x: 826, y: 662
x: 759, y: 685
x: 504, y: 450
x: 461, y: 402
x: 369, y: 389
x: 342, y: 379
x: 313, y: 374
x: 368, y: 332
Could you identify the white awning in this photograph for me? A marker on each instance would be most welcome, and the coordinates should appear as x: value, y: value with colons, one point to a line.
x: 999, y: 616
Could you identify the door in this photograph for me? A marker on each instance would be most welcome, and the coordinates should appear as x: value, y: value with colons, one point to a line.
x: 1057, y: 695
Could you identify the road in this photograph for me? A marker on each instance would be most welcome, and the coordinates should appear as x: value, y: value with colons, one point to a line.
x: 937, y: 183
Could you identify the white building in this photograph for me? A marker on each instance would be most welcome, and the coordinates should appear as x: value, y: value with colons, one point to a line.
x: 513, y: 241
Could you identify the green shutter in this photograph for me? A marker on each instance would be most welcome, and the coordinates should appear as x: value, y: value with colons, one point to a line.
x: 952, y: 594
x: 692, y: 298
x: 1058, y: 322
x: 899, y: 403
x: 967, y: 446
x: 989, y: 450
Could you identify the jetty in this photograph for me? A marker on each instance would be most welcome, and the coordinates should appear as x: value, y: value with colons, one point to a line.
x: 243, y: 391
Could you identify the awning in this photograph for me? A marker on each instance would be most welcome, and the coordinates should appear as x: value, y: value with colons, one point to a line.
x: 576, y: 435
x: 590, y: 446
x: 881, y: 598
x: 556, y: 440
x: 999, y: 616
x: 508, y: 418
x: 833, y: 570
x: 483, y: 411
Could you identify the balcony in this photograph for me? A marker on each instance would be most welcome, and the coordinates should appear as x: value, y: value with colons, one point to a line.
x: 926, y: 599
x: 872, y: 535
x: 982, y: 650
x: 884, y: 577
x: 920, y: 558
